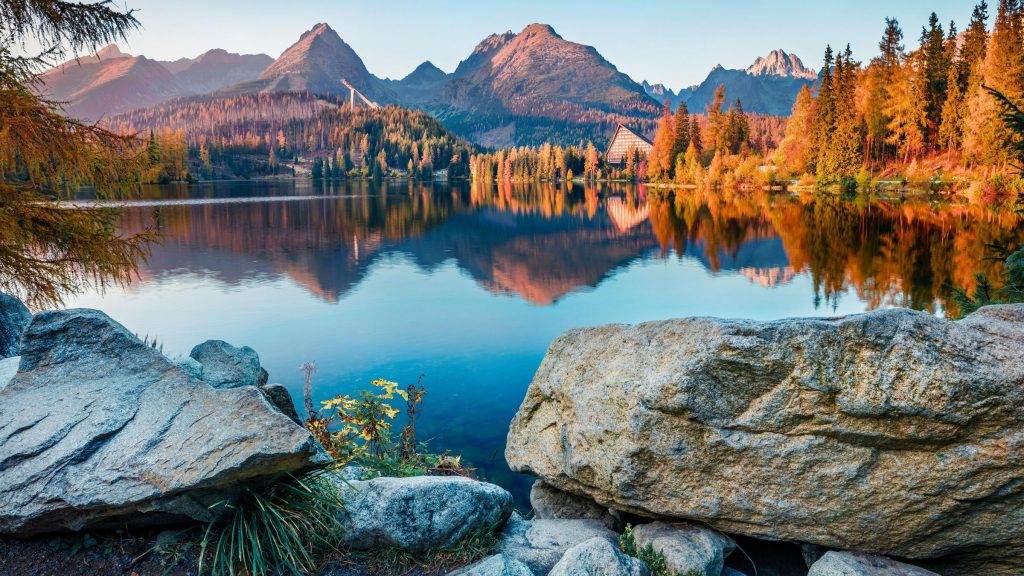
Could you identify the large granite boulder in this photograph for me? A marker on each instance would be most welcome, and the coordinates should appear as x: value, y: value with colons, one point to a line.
x: 688, y: 549
x: 550, y: 503
x: 894, y: 432
x: 14, y: 318
x: 598, y: 557
x: 225, y: 366
x: 854, y: 564
x: 98, y: 430
x: 420, y: 513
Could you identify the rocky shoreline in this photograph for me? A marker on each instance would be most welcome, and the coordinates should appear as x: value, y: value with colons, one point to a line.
x: 882, y: 444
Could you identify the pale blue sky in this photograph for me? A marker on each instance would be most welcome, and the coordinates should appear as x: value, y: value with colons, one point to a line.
x: 674, y: 42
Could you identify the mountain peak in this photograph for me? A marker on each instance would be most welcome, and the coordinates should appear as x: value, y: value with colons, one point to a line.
x: 425, y: 73
x: 779, y: 63
x: 111, y: 51
x: 538, y: 29
x: 319, y: 29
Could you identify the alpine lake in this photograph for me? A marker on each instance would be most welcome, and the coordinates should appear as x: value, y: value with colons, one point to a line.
x: 468, y: 285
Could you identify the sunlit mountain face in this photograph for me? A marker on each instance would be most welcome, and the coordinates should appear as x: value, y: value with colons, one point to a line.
x: 468, y: 285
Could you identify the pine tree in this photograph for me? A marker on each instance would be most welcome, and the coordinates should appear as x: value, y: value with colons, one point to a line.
x: 824, y: 118
x: 682, y: 125
x: 987, y: 140
x: 717, y: 121
x: 891, y: 45
x: 737, y: 128
x: 951, y: 129
x: 975, y: 40
x: 934, y: 62
x: 696, y: 139
x: 875, y: 87
x: 906, y: 110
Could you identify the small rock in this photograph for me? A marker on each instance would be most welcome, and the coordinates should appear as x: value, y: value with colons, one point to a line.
x: 857, y: 564
x: 598, y: 557
x: 497, y: 565
x: 687, y: 548
x: 550, y: 503
x: 282, y: 400
x: 421, y: 513
x: 225, y: 366
x: 540, y: 544
x: 14, y: 318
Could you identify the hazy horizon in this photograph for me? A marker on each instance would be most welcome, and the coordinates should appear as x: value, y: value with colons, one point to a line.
x: 393, y: 46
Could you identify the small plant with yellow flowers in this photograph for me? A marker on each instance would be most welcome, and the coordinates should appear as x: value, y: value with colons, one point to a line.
x: 351, y: 428
x: 357, y: 430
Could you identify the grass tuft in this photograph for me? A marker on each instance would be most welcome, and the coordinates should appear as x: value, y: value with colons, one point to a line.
x: 285, y: 528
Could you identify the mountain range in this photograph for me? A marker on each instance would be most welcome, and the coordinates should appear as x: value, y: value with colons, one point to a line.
x: 769, y: 86
x: 112, y: 81
x: 521, y: 88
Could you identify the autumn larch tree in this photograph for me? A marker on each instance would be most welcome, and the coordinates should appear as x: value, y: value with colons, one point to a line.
x: 49, y: 249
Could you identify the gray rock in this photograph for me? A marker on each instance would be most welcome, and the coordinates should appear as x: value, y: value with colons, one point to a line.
x: 550, y: 503
x: 8, y: 368
x: 421, y: 513
x: 282, y: 400
x: 225, y: 366
x: 854, y: 564
x: 893, y: 432
x: 496, y: 565
x: 190, y: 366
x: 14, y: 318
x: 540, y: 544
x: 99, y: 430
x: 687, y: 548
x: 598, y: 557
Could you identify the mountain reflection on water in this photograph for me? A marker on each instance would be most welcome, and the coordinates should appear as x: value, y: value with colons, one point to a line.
x: 384, y: 280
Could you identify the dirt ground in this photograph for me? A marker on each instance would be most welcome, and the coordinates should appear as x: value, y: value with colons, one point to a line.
x: 108, y: 555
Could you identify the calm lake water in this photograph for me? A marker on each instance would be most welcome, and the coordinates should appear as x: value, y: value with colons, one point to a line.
x: 469, y: 286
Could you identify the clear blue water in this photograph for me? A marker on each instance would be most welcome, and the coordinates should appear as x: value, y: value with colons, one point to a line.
x: 469, y: 287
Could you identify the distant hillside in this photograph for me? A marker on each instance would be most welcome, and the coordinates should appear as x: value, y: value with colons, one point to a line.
x: 247, y: 133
